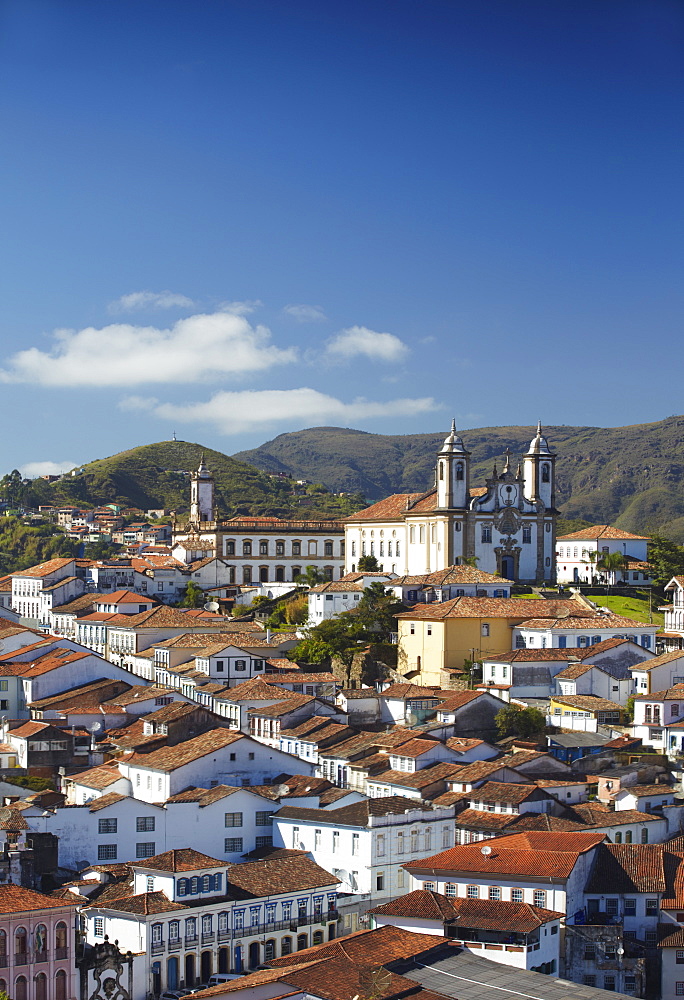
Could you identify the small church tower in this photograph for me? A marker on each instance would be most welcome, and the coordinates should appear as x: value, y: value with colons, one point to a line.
x: 539, y: 471
x: 201, y: 494
x: 453, y: 473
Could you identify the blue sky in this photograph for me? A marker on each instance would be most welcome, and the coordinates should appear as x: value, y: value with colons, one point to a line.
x: 235, y: 218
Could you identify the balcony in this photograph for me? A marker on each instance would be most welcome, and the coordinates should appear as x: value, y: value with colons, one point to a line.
x: 158, y: 947
x: 21, y: 959
x: 208, y: 937
x: 175, y: 944
x: 4, y: 962
x: 191, y: 941
x: 40, y: 956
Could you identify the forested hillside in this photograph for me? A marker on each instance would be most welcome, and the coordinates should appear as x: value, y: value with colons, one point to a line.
x: 629, y: 476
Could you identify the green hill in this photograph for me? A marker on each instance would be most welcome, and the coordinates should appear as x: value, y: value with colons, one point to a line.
x: 157, y: 475
x: 631, y: 476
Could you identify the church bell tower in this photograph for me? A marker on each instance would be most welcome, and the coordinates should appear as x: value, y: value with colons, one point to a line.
x: 201, y: 494
x: 539, y: 472
x: 453, y: 472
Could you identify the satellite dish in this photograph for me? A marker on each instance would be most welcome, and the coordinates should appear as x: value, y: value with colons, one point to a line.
x: 282, y: 790
x: 342, y: 874
x: 212, y: 606
x: 375, y: 982
x: 95, y: 727
x: 486, y: 850
x: 412, y: 718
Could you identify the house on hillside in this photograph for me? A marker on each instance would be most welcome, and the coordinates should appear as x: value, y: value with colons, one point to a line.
x: 578, y: 554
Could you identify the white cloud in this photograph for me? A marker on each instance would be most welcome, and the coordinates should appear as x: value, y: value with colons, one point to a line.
x: 359, y: 340
x: 240, y: 308
x: 197, y: 348
x: 137, y: 301
x: 236, y: 412
x: 305, y: 314
x: 31, y: 470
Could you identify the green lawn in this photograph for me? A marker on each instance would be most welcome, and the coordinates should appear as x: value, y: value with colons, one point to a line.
x: 630, y: 607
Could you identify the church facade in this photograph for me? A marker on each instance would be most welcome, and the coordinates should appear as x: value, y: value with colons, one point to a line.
x: 255, y: 549
x: 508, y: 525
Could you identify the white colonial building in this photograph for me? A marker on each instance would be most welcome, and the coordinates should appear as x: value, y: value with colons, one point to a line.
x: 255, y: 549
x: 508, y: 525
x: 578, y: 554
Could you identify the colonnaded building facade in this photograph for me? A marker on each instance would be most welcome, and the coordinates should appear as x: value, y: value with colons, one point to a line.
x: 256, y: 549
x: 508, y: 525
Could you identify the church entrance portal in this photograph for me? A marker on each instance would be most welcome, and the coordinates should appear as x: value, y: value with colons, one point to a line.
x: 508, y: 567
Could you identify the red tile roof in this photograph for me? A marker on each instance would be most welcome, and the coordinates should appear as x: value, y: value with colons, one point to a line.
x: 597, y: 531
x: 17, y: 899
x: 482, y: 914
x: 553, y: 855
x: 170, y: 758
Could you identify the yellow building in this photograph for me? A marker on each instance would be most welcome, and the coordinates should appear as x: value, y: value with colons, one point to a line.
x: 565, y: 708
x: 435, y: 639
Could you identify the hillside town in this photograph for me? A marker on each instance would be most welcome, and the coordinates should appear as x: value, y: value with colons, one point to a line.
x: 485, y: 793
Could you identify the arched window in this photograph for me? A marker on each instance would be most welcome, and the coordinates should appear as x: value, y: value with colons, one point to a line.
x: 269, y: 950
x: 246, y: 548
x: 546, y: 472
x: 60, y: 985
x: 40, y: 941
x: 20, y: 941
x: 286, y: 946
x: 246, y: 574
x: 20, y: 988
x: 3, y: 985
x: 207, y: 923
x: 302, y: 942
x: 318, y: 937
x: 41, y: 986
x: 3, y: 945
x: 441, y: 470
x: 459, y: 470
x: 61, y: 941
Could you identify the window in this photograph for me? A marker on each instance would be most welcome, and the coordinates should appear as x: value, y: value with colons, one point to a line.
x: 191, y: 928
x: 149, y: 883
x: 516, y: 895
x: 264, y: 842
x: 381, y: 845
x: 174, y: 930
x: 494, y: 892
x: 207, y: 923
x: 295, y: 837
x: 106, y: 852
x: 234, y: 819
x: 263, y: 549
x: 328, y: 548
x: 485, y: 629
x: 527, y: 534
x: 356, y: 843
x: 651, y: 907
x: 106, y: 826
x: 679, y: 956
x: 336, y: 841
x: 429, y: 886
x: 486, y: 533
x: 609, y: 983
x: 400, y: 842
x: 317, y: 839
x: 145, y: 849
x: 540, y: 897
x: 246, y: 548
x: 473, y: 891
x: 232, y: 844
x: 446, y: 837
x: 630, y: 907
x: 590, y: 981
x: 450, y: 889
x: 262, y: 818
x: 230, y: 547
x: 612, y: 905
x: 98, y: 929
x: 380, y: 881
x: 144, y: 824
x: 156, y: 933
x: 589, y: 951
x: 241, y: 665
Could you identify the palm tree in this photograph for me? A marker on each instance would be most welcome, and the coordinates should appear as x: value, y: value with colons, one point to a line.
x: 611, y: 563
x: 310, y: 577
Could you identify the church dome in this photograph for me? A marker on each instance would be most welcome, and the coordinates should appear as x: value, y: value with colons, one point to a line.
x: 452, y: 443
x: 539, y: 445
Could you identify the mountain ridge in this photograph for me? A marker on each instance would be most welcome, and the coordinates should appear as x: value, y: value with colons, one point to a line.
x: 631, y: 476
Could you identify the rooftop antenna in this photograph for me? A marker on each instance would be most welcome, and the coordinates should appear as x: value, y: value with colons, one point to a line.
x: 174, y: 436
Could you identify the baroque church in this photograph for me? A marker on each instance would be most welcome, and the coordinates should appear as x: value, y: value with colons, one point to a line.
x: 508, y: 525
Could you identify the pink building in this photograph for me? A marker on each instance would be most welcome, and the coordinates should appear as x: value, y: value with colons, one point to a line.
x: 37, y: 954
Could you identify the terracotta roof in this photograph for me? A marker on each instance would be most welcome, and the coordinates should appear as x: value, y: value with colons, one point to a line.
x: 657, y: 661
x: 482, y: 914
x: 574, y: 671
x: 587, y: 702
x: 586, y: 622
x: 504, y: 791
x: 407, y: 690
x: 144, y: 903
x: 458, y: 699
x: 605, y: 531
x: 461, y: 744
x: 289, y: 704
x: 289, y: 871
x: 551, y: 855
x: 647, y: 790
x: 298, y: 677
x: 337, y: 586
x: 628, y: 868
x: 255, y: 689
x: 44, y: 569
x: 356, y: 813
x: 376, y: 947
x: 480, y: 770
x: 415, y: 748
x: 104, y: 801
x: 391, y: 508
x: 487, y: 607
x: 96, y: 777
x: 183, y: 859
x: 17, y: 899
x: 122, y: 597
x: 138, y: 693
x: 169, y: 758
x: 452, y: 575
x: 417, y: 779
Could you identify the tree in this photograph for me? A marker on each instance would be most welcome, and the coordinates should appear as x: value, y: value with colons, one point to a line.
x: 665, y: 558
x: 311, y: 577
x: 611, y: 562
x: 470, y: 561
x: 193, y: 597
x: 376, y: 612
x: 515, y: 721
x: 368, y: 564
